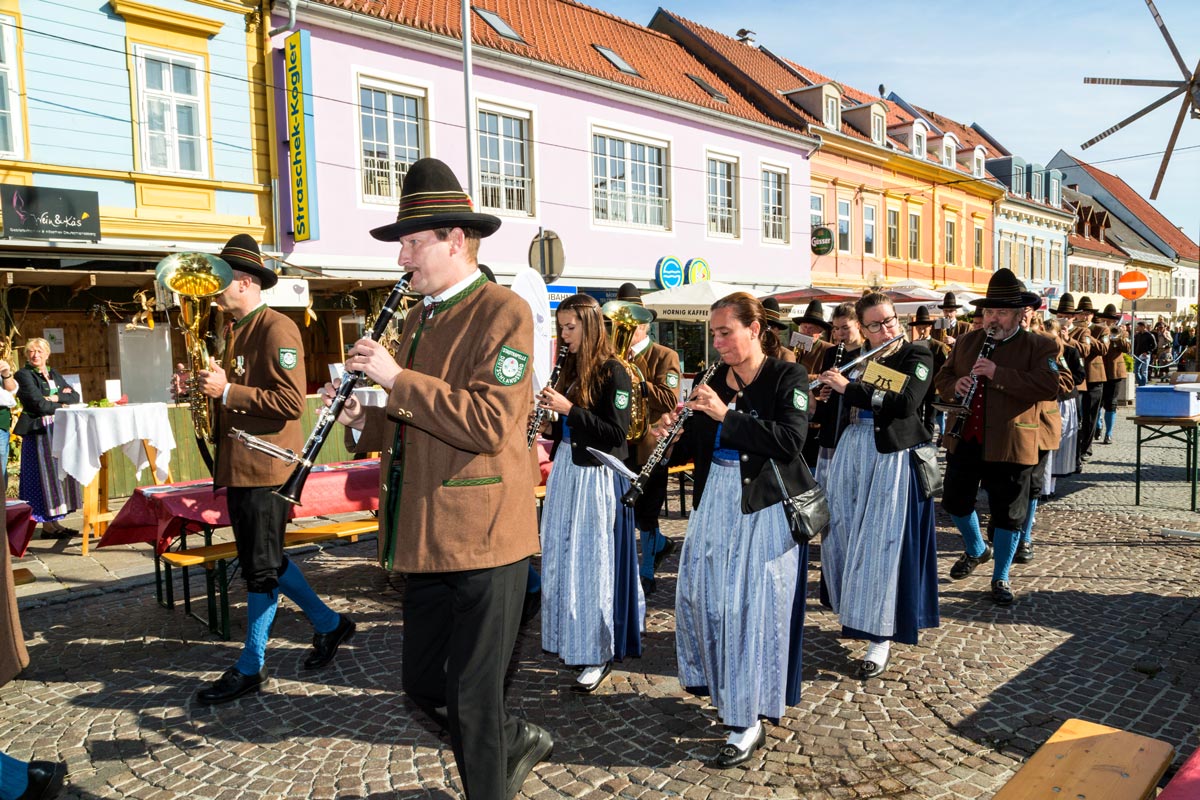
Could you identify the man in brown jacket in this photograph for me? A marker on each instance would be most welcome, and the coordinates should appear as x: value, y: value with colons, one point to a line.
x: 999, y: 442
x: 949, y: 327
x: 456, y: 513
x: 1092, y: 349
x: 262, y: 393
x: 1115, y: 369
x: 812, y: 324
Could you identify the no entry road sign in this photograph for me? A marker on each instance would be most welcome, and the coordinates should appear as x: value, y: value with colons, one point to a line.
x: 1133, y: 285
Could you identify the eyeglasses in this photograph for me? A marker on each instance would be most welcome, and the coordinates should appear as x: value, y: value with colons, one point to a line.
x: 876, y: 327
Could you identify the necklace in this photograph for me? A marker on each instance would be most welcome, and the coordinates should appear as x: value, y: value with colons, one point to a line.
x: 743, y: 384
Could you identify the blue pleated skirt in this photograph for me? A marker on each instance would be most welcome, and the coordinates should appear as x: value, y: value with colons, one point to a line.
x: 38, y: 484
x: 739, y: 605
x: 593, y: 609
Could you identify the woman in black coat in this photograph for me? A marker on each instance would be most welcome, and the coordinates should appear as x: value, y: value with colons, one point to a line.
x: 40, y: 391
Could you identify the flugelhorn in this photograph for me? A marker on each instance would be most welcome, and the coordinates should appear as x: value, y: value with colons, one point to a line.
x: 293, y: 487
x: 626, y: 317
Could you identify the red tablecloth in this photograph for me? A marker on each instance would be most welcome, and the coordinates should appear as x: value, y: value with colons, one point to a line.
x: 21, y: 525
x: 158, y: 513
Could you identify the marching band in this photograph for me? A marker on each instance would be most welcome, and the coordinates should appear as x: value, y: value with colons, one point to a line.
x: 1018, y: 405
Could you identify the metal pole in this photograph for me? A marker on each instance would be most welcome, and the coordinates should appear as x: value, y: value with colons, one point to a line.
x: 469, y: 96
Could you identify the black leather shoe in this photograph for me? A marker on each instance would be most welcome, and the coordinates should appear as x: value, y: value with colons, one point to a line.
x: 661, y: 555
x: 45, y: 780
x: 1002, y: 593
x: 871, y: 669
x: 1107, y: 440
x: 325, y: 645
x: 729, y: 756
x: 966, y: 564
x: 533, y: 745
x: 1024, y: 553
x: 588, y: 688
x: 531, y: 606
x: 648, y: 586
x: 230, y: 686
x: 60, y: 533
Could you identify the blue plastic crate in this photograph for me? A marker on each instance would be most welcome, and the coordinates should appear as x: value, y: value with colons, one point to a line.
x: 1165, y: 401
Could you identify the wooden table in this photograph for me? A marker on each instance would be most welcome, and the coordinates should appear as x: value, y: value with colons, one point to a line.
x: 1178, y: 429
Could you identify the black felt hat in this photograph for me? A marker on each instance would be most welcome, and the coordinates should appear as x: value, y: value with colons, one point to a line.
x: 1005, y: 290
x: 1066, y: 304
x: 1110, y: 312
x: 949, y: 301
x: 432, y: 198
x: 815, y: 315
x: 242, y: 253
x: 922, y: 316
x: 1085, y: 304
x: 629, y: 293
x: 774, y: 318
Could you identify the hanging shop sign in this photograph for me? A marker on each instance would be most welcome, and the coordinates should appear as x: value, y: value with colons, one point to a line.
x: 36, y: 212
x: 302, y: 162
x: 696, y: 271
x: 822, y: 240
x: 668, y: 273
x: 558, y: 293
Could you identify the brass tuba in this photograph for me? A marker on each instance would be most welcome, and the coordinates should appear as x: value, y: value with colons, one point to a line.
x: 195, y: 277
x: 626, y: 317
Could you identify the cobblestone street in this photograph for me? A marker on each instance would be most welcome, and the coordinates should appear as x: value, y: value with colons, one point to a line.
x: 1106, y: 627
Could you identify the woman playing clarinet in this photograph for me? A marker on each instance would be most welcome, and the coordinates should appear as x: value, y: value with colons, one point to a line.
x: 739, y: 606
x: 593, y: 609
x: 879, y: 555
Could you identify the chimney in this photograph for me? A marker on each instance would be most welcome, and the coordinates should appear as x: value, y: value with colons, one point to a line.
x: 745, y: 36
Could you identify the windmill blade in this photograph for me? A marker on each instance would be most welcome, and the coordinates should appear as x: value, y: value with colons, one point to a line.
x: 1162, y: 27
x: 1133, y: 117
x: 1162, y: 170
x: 1132, y: 82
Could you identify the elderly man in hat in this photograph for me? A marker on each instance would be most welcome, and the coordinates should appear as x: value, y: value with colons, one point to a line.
x: 920, y: 330
x: 456, y: 479
x: 998, y: 447
x: 1115, y: 370
x: 260, y: 389
x: 1092, y: 348
x: 949, y: 327
x: 659, y: 366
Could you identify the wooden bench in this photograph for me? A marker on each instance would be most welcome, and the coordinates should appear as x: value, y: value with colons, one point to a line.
x: 1186, y: 783
x: 214, y: 559
x: 1083, y: 759
x: 684, y: 473
x: 22, y: 576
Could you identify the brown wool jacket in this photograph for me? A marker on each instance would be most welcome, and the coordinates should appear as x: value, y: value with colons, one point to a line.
x: 660, y: 369
x: 266, y: 400
x: 1114, y: 359
x: 460, y: 486
x: 1092, y: 349
x: 961, y: 326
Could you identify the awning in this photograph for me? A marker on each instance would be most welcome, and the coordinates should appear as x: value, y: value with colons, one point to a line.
x: 690, y: 302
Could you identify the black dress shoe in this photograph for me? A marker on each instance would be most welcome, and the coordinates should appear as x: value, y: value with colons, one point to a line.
x: 531, y: 606
x: 661, y: 555
x: 325, y: 645
x: 871, y: 669
x: 533, y: 745
x: 729, y: 756
x: 58, y: 533
x: 966, y: 564
x: 1024, y: 553
x: 1002, y: 593
x: 648, y: 586
x: 45, y: 780
x: 230, y: 686
x: 588, y: 688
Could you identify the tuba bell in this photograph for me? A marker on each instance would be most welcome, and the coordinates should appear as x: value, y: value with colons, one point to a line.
x: 625, y: 318
x: 195, y: 277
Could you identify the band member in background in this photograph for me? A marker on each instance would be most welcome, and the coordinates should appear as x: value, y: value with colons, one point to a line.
x: 879, y: 557
x: 847, y: 341
x: 593, y: 608
x: 999, y: 442
x: 781, y: 326
x: 1115, y: 369
x: 262, y: 392
x: 1092, y: 349
x: 812, y: 324
x: 739, y: 605
x: 659, y: 366
x: 1070, y: 367
x: 920, y: 330
x: 456, y: 478
x: 977, y: 320
x: 950, y: 327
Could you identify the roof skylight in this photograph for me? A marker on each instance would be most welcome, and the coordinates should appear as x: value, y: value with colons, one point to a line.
x: 614, y: 59
x: 498, y: 24
x: 706, y: 86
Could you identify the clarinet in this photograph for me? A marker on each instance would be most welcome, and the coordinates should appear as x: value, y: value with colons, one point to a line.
x: 539, y: 416
x: 660, y: 450
x: 960, y: 421
x: 304, y: 461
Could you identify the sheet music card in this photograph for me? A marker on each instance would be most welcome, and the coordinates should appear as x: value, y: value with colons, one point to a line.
x: 803, y: 340
x: 886, y: 378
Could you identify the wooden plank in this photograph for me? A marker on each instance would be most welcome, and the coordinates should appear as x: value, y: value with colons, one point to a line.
x: 338, y: 530
x: 1083, y: 759
x: 22, y: 576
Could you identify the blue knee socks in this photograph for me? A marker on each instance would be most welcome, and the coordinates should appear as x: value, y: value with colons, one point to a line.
x: 968, y: 526
x: 1004, y: 547
x: 649, y: 549
x: 14, y: 777
x: 293, y: 585
x: 260, y: 614
x: 1027, y: 530
x: 1110, y: 421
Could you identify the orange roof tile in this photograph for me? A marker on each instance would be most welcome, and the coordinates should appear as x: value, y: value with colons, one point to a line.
x: 562, y: 32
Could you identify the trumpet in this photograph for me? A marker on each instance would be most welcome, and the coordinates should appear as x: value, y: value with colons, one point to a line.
x: 854, y: 362
x: 294, y: 486
x: 539, y: 415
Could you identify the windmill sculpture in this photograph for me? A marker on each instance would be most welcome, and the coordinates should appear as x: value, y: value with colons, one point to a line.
x: 1189, y: 87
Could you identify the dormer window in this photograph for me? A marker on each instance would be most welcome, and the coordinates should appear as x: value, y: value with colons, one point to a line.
x: 977, y: 163
x: 833, y: 115
x: 919, y: 138
x: 1055, y: 192
x: 949, y: 153
x: 878, y: 128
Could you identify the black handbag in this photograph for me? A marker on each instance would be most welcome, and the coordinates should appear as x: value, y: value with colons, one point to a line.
x: 929, y: 473
x: 807, y: 512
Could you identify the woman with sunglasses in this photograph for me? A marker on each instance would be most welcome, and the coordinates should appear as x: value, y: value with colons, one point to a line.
x: 592, y: 603
x: 879, y: 555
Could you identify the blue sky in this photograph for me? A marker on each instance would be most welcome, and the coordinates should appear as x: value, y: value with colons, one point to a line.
x: 1016, y: 67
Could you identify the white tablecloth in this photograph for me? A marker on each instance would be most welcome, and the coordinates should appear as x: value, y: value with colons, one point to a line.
x: 82, y: 435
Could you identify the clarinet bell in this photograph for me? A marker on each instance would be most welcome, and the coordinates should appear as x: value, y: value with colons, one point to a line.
x: 631, y: 496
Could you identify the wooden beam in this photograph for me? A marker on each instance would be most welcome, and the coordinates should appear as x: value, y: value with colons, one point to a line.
x: 86, y: 282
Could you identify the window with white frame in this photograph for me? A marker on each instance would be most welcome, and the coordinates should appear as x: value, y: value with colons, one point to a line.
x: 833, y: 109
x: 722, y: 196
x: 893, y: 233
x: 1039, y: 262
x: 1022, y: 257
x: 774, y: 205
x: 1035, y: 185
x: 951, y: 241
x: 914, y: 236
x: 918, y: 138
x: 977, y: 164
x: 505, y: 182
x: 10, y: 92
x: 173, y: 121
x: 816, y: 210
x: 629, y: 181
x: 878, y: 128
x: 843, y: 226
x: 1055, y: 192
x: 392, y: 125
x: 868, y: 230
x: 949, y: 154
x: 1006, y: 250
x: 978, y: 263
